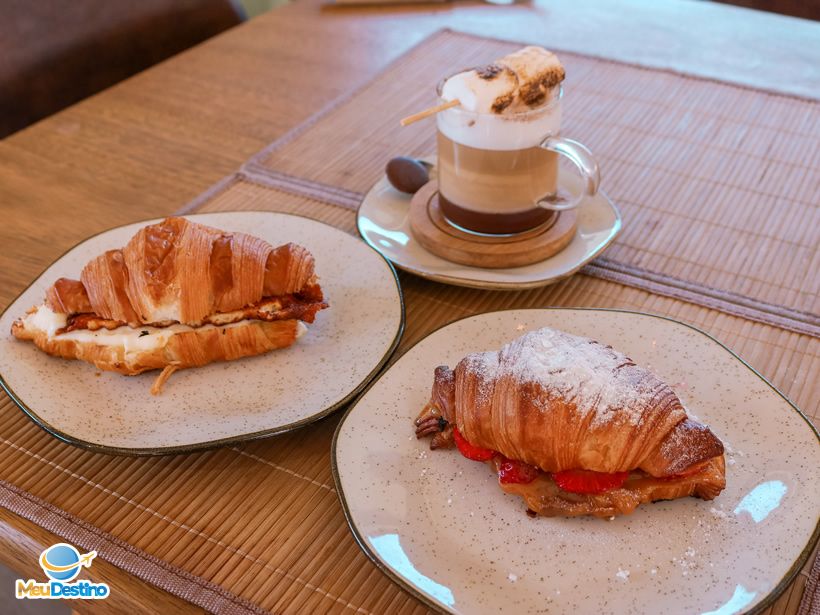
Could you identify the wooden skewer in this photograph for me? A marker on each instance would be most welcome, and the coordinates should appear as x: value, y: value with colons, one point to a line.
x: 431, y: 111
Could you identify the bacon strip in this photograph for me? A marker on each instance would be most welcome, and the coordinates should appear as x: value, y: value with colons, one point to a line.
x: 268, y: 309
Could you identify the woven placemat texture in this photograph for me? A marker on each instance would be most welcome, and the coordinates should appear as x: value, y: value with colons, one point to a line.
x: 810, y: 604
x: 261, y: 520
x: 718, y: 188
x: 718, y: 184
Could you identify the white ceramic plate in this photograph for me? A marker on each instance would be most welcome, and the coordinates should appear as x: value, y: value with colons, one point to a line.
x: 383, y: 221
x: 222, y: 402
x: 440, y: 526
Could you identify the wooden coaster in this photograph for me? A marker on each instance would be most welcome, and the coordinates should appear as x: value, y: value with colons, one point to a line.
x: 432, y: 230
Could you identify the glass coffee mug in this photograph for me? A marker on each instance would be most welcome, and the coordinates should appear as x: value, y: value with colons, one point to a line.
x: 498, y: 173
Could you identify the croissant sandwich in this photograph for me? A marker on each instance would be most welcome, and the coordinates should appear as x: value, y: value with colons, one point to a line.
x: 572, y: 426
x: 178, y: 295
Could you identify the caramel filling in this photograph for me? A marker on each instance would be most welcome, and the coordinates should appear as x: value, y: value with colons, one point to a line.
x: 543, y: 496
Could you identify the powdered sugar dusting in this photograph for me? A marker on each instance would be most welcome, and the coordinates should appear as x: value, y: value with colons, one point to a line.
x: 674, y: 444
x: 485, y: 364
x: 597, y: 378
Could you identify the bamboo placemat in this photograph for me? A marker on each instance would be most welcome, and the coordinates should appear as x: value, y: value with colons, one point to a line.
x: 174, y: 521
x: 810, y: 604
x: 718, y: 184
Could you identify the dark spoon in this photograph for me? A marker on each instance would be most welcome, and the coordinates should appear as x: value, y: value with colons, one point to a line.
x: 407, y: 174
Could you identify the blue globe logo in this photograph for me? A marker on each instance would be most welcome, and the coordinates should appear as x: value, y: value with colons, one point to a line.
x: 62, y: 562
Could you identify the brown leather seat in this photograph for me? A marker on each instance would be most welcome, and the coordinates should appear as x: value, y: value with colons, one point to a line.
x: 54, y: 53
x: 807, y: 9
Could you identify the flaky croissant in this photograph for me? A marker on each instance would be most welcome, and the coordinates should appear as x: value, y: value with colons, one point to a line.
x: 580, y: 427
x: 179, y: 294
x: 180, y: 271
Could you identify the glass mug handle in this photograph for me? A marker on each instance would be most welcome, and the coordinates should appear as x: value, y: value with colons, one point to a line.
x: 582, y: 158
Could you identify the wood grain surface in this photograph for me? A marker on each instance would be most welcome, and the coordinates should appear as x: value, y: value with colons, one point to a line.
x: 22, y: 541
x: 146, y: 146
x: 149, y: 144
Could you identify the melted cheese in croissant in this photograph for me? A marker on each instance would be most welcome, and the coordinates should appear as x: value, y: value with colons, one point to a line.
x: 43, y: 320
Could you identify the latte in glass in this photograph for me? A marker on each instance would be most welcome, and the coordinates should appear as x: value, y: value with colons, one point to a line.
x: 498, y: 150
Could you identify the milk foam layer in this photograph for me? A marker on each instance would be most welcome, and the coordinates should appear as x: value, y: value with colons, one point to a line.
x: 491, y: 130
x: 513, y: 103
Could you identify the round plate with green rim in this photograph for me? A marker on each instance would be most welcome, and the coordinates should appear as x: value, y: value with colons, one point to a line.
x: 219, y: 403
x: 439, y: 525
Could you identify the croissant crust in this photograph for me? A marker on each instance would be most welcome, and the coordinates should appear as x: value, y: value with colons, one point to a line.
x: 202, y: 294
x: 181, y: 271
x: 561, y: 402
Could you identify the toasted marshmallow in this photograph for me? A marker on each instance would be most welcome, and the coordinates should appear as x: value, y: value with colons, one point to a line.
x: 537, y: 71
x: 488, y: 89
x: 495, y: 98
x: 517, y: 82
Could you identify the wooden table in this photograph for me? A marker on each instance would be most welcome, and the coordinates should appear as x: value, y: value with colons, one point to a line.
x: 146, y: 146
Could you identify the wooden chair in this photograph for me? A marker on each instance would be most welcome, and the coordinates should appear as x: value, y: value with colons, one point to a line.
x: 54, y: 53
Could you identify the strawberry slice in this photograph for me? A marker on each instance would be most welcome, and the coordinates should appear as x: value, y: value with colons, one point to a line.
x: 512, y: 471
x: 589, y: 482
x: 475, y: 453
